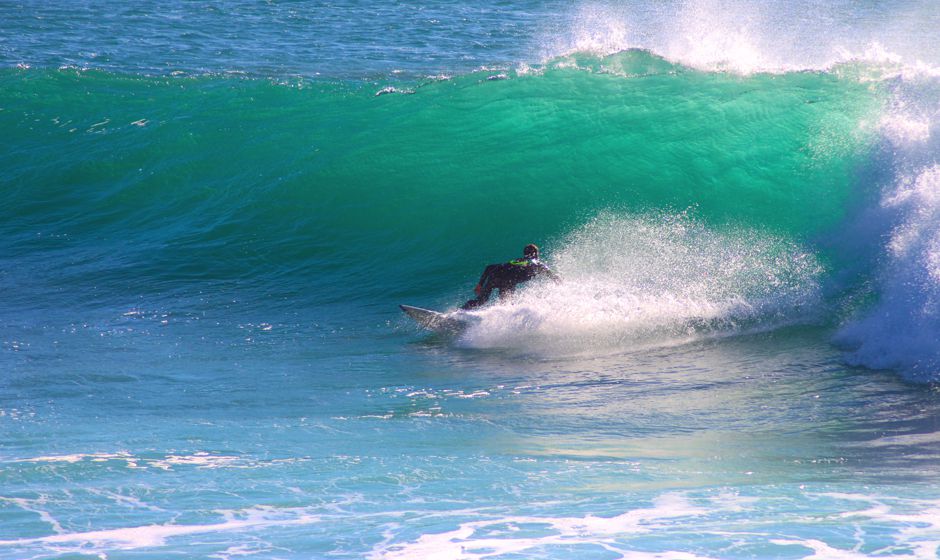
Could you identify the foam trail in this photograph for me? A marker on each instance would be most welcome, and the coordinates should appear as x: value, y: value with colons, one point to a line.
x: 868, y: 526
x: 656, y: 278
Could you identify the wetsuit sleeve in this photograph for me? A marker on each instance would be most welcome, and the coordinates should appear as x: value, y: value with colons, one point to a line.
x: 545, y: 271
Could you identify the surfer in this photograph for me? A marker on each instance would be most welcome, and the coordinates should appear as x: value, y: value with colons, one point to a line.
x: 506, y: 276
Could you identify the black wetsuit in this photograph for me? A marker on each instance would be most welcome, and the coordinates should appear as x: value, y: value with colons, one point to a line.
x: 505, y: 277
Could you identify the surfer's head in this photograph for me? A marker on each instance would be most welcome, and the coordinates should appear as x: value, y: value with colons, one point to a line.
x: 530, y: 251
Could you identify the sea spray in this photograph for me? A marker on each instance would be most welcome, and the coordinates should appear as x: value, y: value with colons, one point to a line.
x: 747, y: 37
x: 901, y: 330
x: 899, y: 324
x: 656, y: 278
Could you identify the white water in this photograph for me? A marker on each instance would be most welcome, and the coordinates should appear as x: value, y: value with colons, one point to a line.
x: 656, y: 279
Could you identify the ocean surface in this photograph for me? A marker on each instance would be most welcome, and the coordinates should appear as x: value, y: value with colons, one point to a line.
x: 210, y: 211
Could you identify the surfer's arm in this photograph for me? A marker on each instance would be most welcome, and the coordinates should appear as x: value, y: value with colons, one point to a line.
x: 545, y: 271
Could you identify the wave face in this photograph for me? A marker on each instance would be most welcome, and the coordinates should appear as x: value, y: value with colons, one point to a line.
x: 223, y: 178
x: 294, y: 191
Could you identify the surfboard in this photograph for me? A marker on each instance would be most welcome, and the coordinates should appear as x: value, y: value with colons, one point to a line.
x: 435, y: 320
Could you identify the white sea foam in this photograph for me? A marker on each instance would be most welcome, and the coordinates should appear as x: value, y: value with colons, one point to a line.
x: 37, y: 506
x: 198, y: 459
x: 477, y: 539
x: 241, y: 551
x: 748, y: 36
x: 901, y: 331
x: 864, y: 526
x: 76, y: 458
x: 593, y: 29
x: 904, y: 440
x: 147, y: 536
x: 905, y: 129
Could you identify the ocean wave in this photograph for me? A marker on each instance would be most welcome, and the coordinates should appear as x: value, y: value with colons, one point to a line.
x: 221, y: 183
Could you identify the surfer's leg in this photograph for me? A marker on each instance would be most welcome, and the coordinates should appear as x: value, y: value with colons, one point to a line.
x: 506, y: 292
x: 472, y: 304
x: 484, y: 288
x: 480, y: 299
x: 486, y: 279
x: 483, y: 297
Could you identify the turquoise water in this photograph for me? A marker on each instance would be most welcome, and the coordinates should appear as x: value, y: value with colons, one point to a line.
x: 212, y: 210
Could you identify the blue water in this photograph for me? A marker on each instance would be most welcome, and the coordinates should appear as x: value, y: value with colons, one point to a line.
x: 210, y: 212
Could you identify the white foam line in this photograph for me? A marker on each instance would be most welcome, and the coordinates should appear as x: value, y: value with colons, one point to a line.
x: 156, y: 535
x: 199, y: 460
x: 241, y: 550
x: 28, y: 505
x: 120, y: 499
x: 919, y: 528
x: 822, y: 550
x: 903, y: 439
x: 599, y: 531
x: 75, y: 458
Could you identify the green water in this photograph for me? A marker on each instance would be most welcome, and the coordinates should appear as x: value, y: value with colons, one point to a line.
x: 221, y: 178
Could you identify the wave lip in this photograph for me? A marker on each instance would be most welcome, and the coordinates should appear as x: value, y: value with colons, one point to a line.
x: 747, y: 37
